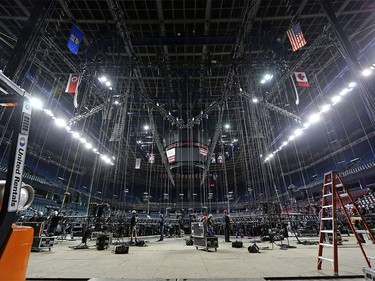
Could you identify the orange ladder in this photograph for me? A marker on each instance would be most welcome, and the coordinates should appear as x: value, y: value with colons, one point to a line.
x: 334, y: 191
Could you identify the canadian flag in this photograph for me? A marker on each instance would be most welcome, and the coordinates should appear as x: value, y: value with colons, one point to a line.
x: 73, y: 82
x: 301, y: 78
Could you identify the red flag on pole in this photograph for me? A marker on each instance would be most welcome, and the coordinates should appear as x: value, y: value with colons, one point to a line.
x: 301, y: 78
x: 73, y: 82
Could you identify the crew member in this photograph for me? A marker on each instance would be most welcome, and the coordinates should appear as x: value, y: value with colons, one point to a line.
x: 53, y: 223
x: 161, y: 223
x: 226, y: 220
x: 210, y: 226
x: 133, y: 226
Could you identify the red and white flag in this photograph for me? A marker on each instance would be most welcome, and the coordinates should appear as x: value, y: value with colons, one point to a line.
x: 73, y: 82
x: 301, y: 78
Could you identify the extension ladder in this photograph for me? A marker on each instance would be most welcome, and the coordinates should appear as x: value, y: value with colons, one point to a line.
x: 334, y: 191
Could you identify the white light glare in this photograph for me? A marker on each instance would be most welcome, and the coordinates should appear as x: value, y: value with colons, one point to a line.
x: 76, y: 135
x: 352, y: 84
x: 298, y: 132
x: 103, y: 79
x: 116, y: 102
x: 48, y: 112
x: 226, y: 126
x: 95, y: 149
x: 270, y: 156
x: 325, y: 108
x: 292, y: 137
x: 146, y: 127
x: 366, y: 72
x: 314, y: 118
x: 83, y: 140
x: 262, y: 81
x: 284, y: 143
x: 88, y: 145
x: 255, y: 100
x: 108, y: 84
x: 336, y: 99
x: 344, y: 91
x: 36, y: 103
x: 268, y: 77
x: 306, y: 125
x: 60, y: 122
x: 111, y: 88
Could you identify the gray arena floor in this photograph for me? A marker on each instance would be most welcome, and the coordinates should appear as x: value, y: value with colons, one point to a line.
x: 173, y: 260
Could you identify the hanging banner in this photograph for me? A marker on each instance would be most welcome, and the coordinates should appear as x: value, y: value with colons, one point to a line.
x: 301, y: 78
x: 171, y: 155
x: 75, y: 39
x: 73, y: 82
x: 138, y: 163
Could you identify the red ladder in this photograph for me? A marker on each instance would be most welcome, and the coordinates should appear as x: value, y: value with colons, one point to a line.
x: 334, y: 191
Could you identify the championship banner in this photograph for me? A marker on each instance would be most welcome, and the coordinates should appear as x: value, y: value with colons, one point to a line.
x: 75, y: 39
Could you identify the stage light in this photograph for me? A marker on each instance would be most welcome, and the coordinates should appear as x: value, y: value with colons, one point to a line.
x: 344, y: 91
x: 366, y: 72
x: 314, y: 118
x: 241, y: 90
x: 255, y: 100
x: 83, y: 140
x: 325, y: 108
x: 226, y: 126
x: 107, y: 83
x: 36, y: 103
x: 76, y: 135
x: 146, y: 127
x: 103, y: 79
x: 113, y: 157
x: 88, y: 145
x: 111, y: 88
x: 263, y: 81
x: 285, y: 143
x: 298, y: 132
x: 268, y: 77
x: 95, y: 149
x: 306, y: 125
x: 116, y: 102
x: 336, y: 99
x: 60, y: 122
x: 48, y: 112
x: 292, y: 137
x: 352, y: 84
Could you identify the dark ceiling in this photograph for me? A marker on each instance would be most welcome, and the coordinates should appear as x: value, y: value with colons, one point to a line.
x: 191, y: 65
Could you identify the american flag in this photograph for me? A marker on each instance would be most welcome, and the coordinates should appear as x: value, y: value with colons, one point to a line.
x: 296, y: 38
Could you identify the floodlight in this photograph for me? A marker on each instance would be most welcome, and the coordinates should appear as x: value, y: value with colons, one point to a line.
x: 36, y: 103
x: 352, y: 84
x: 366, y: 72
x: 344, y: 91
x: 60, y: 122
x: 76, y: 135
x: 255, y: 100
x: 325, y: 108
x: 48, y: 112
x: 314, y: 118
x: 88, y: 145
x: 336, y: 99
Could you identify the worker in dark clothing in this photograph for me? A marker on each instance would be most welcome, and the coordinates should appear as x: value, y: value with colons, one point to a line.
x: 226, y: 220
x: 133, y: 226
x: 161, y: 223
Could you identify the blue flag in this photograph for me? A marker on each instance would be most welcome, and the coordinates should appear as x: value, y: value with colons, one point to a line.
x: 75, y: 39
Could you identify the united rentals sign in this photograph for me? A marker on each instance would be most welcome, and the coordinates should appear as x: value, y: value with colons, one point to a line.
x: 20, y: 156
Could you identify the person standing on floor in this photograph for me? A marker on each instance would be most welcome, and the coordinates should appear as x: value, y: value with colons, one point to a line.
x: 226, y: 220
x: 133, y: 226
x: 161, y: 223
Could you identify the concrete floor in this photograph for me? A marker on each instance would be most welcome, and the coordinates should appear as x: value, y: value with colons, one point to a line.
x: 172, y: 259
